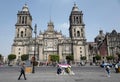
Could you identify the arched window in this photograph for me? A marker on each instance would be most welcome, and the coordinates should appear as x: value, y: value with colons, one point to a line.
x: 77, y: 20
x: 23, y: 20
x: 21, y: 33
x: 20, y: 19
x: 74, y: 19
x: 78, y: 33
x: 26, y: 20
x: 18, y: 33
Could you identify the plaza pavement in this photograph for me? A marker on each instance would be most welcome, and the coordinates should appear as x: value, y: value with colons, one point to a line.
x: 50, y: 76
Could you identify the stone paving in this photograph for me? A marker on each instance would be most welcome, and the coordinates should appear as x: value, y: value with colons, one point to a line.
x: 51, y: 76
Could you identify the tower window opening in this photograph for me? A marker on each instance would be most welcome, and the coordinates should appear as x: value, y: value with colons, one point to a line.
x: 78, y: 33
x: 20, y: 19
x: 80, y: 51
x: 74, y: 19
x: 18, y: 33
x: 23, y: 20
x: 26, y: 20
x: 80, y: 47
x: 21, y: 33
x: 19, y: 53
x: 77, y: 20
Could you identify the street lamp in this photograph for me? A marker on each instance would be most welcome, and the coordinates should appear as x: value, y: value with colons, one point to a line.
x: 35, y: 31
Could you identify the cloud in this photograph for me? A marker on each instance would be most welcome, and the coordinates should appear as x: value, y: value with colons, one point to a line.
x: 64, y: 27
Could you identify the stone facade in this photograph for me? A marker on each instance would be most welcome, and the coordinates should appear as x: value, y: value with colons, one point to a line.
x: 113, y: 43
x: 50, y: 41
x: 108, y: 44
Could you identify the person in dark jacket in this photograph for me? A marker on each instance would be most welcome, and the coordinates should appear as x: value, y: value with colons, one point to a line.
x: 59, y: 70
x: 22, y: 71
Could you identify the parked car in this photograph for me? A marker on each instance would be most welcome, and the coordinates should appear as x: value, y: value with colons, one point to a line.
x: 106, y: 64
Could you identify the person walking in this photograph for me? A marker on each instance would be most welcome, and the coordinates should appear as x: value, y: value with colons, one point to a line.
x: 22, y: 71
x: 59, y: 70
x: 116, y: 68
x: 108, y: 71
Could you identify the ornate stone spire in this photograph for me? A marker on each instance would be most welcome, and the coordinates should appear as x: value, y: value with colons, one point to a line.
x: 25, y: 8
x: 75, y: 7
x: 50, y: 26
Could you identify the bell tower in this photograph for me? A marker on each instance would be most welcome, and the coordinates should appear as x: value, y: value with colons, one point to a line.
x: 77, y: 33
x: 23, y: 33
x: 76, y: 29
x: 24, y: 23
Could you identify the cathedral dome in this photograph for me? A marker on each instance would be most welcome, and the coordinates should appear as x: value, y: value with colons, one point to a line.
x: 75, y: 8
x: 100, y: 36
x: 25, y: 8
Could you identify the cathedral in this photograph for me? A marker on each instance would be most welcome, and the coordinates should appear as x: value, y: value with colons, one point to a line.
x: 50, y: 41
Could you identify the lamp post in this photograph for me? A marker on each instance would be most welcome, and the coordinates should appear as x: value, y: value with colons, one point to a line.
x: 33, y: 64
x: 65, y: 50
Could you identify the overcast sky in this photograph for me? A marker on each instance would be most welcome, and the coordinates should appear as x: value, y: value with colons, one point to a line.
x: 97, y: 14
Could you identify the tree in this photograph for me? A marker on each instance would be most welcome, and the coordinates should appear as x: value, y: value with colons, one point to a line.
x: 69, y: 58
x: 54, y: 58
x: 83, y: 58
x: 24, y: 57
x: 98, y: 57
x: 11, y: 57
x: 109, y: 58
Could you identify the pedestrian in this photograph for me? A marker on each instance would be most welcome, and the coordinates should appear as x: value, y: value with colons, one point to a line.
x: 59, y: 70
x: 108, y: 71
x: 116, y: 68
x: 22, y: 71
x: 68, y: 70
